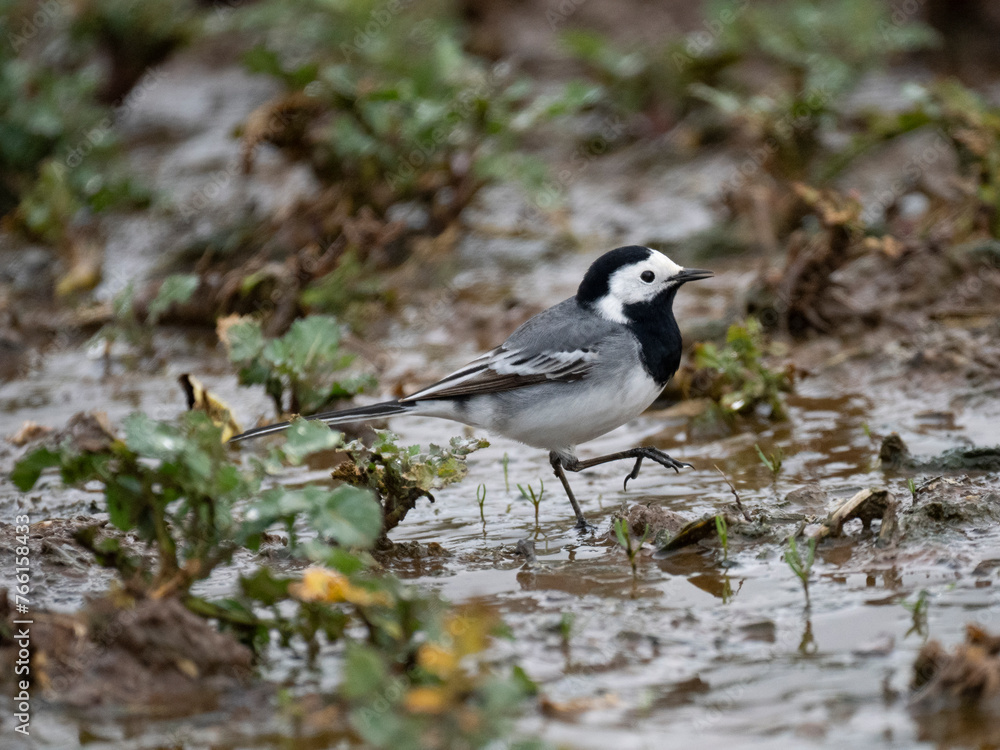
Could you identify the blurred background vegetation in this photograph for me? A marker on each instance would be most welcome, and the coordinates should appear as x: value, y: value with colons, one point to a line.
x: 404, y: 110
x: 320, y: 156
x: 177, y: 161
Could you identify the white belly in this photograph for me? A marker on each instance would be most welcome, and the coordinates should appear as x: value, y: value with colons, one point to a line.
x: 554, y: 416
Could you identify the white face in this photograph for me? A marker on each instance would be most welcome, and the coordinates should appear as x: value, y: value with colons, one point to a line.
x: 639, y: 282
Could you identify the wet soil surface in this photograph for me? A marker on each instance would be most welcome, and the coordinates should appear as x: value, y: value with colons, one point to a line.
x: 697, y: 647
x: 693, y: 647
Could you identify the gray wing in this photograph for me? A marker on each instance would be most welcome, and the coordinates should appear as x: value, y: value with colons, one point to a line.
x: 562, y: 343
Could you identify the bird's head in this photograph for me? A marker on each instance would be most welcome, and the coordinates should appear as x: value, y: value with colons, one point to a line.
x: 624, y: 281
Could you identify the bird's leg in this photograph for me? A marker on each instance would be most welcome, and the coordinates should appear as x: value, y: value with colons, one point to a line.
x: 557, y: 466
x: 638, y: 454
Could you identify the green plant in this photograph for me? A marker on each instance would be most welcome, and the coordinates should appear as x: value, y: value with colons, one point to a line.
x: 772, y: 462
x: 801, y: 567
x: 58, y: 149
x: 735, y: 376
x: 126, y: 324
x: 303, y: 367
x: 566, y: 622
x: 413, y: 674
x: 912, y: 487
x: 340, y: 292
x: 817, y: 53
x: 624, y: 538
x: 173, y: 485
x: 918, y: 611
x: 650, y: 79
x: 529, y: 495
x: 425, y: 687
x: 400, y: 475
x: 722, y: 530
x: 388, y: 103
x: 505, y: 463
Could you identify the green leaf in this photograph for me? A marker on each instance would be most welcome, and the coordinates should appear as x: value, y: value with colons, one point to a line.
x: 152, y: 438
x: 310, y: 343
x: 336, y: 558
x: 245, y: 341
x: 305, y: 437
x: 525, y: 683
x: 260, y: 59
x: 27, y: 471
x: 264, y: 587
x: 176, y: 289
x: 348, y: 515
x: 764, y: 459
x: 365, y: 672
x: 124, y: 498
x: 621, y: 531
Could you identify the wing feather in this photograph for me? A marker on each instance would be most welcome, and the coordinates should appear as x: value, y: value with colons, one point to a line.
x: 507, y: 369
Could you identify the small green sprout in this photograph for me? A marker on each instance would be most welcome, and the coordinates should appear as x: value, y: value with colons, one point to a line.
x: 565, y: 628
x: 481, y: 498
x: 801, y: 568
x: 529, y: 495
x: 918, y: 610
x: 772, y: 462
x: 566, y: 623
x: 912, y: 487
x: 723, y: 531
x: 505, y: 462
x: 625, y: 540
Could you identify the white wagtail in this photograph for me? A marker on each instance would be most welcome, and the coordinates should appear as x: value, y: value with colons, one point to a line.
x: 569, y: 374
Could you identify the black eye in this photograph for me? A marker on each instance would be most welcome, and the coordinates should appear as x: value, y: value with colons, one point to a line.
x: 648, y: 276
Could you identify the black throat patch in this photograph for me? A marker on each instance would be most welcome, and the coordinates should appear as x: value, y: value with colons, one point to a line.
x: 653, y: 323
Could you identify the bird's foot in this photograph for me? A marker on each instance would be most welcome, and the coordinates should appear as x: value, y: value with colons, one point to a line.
x: 653, y: 454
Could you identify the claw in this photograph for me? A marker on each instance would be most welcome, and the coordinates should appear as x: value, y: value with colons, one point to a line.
x: 634, y: 473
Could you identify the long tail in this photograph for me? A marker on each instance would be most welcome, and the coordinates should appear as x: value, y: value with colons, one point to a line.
x: 333, y: 418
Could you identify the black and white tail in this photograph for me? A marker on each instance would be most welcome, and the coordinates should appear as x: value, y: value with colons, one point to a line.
x: 333, y: 418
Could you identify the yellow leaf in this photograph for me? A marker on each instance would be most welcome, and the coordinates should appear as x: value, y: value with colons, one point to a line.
x: 437, y: 660
x: 329, y: 586
x: 470, y: 629
x: 426, y: 700
x: 199, y: 398
x: 320, y: 585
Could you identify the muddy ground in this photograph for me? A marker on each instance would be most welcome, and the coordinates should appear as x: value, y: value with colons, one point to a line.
x: 694, y: 649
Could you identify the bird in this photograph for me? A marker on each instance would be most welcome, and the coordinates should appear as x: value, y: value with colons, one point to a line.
x: 571, y: 373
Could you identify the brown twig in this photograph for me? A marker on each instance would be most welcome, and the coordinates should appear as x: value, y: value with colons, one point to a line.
x: 739, y: 503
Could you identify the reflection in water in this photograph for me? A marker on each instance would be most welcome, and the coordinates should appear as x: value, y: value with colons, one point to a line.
x: 807, y: 644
